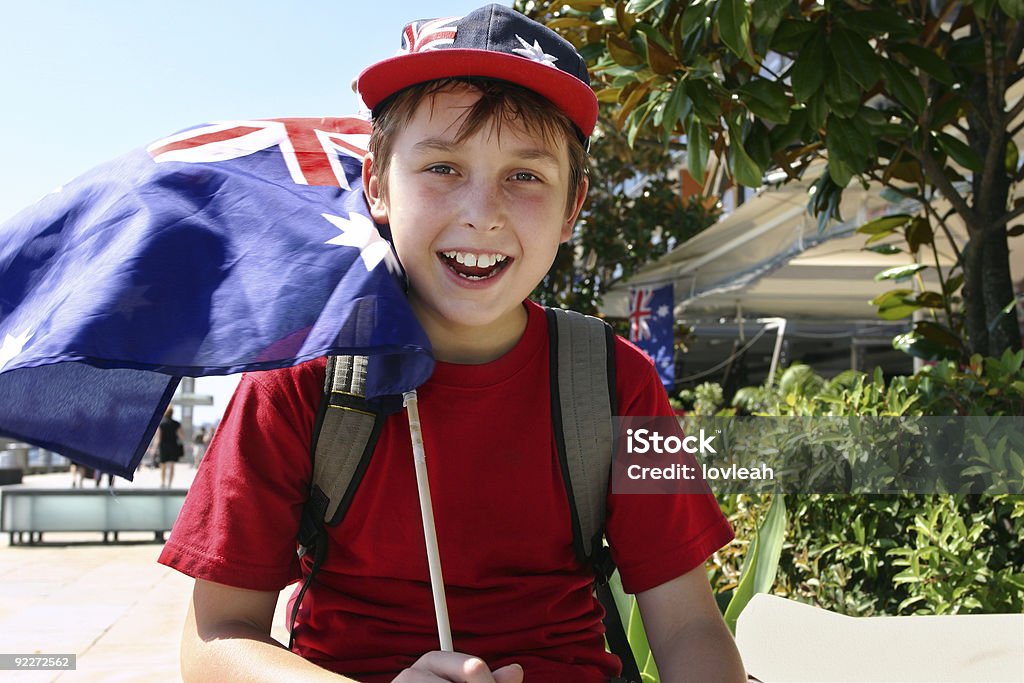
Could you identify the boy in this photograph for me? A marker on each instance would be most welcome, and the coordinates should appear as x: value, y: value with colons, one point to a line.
x: 476, y: 169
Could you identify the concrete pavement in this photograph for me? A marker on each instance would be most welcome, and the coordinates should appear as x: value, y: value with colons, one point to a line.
x: 112, y: 605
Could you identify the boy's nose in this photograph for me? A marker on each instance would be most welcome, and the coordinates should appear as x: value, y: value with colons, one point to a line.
x: 484, y: 207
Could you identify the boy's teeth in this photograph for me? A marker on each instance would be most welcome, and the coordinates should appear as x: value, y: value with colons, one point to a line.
x: 475, y: 260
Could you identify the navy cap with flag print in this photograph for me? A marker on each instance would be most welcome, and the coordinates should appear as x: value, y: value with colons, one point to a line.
x: 491, y: 42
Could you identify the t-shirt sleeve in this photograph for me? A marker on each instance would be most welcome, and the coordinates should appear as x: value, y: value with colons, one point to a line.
x: 657, y: 537
x: 240, y: 518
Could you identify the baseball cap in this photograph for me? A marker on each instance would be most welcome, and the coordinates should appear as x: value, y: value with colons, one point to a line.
x: 491, y: 42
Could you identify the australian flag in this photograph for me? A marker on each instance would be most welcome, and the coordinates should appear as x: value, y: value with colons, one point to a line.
x: 651, y: 323
x: 229, y: 247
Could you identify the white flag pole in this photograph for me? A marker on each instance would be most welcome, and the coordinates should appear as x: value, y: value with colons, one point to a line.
x: 444, y: 631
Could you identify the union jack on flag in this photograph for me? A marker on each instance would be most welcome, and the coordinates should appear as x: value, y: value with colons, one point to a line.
x: 428, y: 35
x: 651, y: 321
x: 231, y: 247
x: 639, y: 314
x: 312, y: 149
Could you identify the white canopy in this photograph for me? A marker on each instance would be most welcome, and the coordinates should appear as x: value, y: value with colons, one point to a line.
x: 767, y: 259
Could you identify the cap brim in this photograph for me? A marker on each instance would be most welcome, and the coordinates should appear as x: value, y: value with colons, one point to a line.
x: 571, y: 95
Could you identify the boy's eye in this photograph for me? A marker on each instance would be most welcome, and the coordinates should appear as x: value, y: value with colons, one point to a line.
x: 524, y: 176
x: 441, y: 169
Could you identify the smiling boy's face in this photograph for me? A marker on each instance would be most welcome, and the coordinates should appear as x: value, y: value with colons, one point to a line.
x: 475, y: 222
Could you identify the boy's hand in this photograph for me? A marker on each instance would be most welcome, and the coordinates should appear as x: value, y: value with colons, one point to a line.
x: 453, y: 667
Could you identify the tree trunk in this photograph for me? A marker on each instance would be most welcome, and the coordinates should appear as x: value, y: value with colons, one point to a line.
x: 988, y: 283
x: 997, y: 288
x: 974, y: 309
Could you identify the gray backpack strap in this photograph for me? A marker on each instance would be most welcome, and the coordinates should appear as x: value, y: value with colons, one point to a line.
x: 583, y: 401
x: 344, y: 435
x: 583, y: 404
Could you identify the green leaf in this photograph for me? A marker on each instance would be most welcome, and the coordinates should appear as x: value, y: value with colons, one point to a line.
x: 698, y: 147
x: 638, y: 7
x: 926, y: 60
x: 959, y: 151
x: 694, y: 17
x: 788, y: 133
x: 792, y: 35
x: 886, y: 249
x: 878, y: 237
x: 808, y: 70
x: 900, y: 273
x: 982, y: 8
x: 766, y: 99
x: 758, y: 143
x: 846, y: 147
x: 919, y: 233
x: 843, y: 92
x: 854, y: 56
x: 897, y: 312
x: 1012, y: 157
x: 968, y: 50
x: 704, y: 104
x: 637, y: 636
x: 930, y: 299
x: 940, y: 334
x: 1013, y: 8
x: 817, y: 110
x: 622, y: 51
x: 953, y: 284
x: 762, y: 561
x: 891, y: 297
x: 922, y: 347
x: 734, y: 26
x: 677, y: 107
x: 767, y: 15
x: 904, y: 86
x: 876, y: 22
x: 885, y: 224
x: 744, y: 169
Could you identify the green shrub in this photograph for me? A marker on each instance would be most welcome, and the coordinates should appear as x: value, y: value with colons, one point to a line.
x: 892, y: 554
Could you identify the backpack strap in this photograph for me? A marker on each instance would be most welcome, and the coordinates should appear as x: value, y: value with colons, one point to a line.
x: 583, y: 403
x: 345, y: 433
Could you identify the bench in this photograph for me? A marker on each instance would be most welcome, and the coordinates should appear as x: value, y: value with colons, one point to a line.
x: 33, y: 511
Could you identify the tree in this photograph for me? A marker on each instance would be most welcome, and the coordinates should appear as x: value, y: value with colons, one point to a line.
x: 633, y: 215
x: 911, y: 95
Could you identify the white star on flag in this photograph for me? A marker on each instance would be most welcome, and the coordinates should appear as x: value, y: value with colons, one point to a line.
x: 12, y: 346
x: 535, y: 53
x: 359, y: 231
x: 662, y: 311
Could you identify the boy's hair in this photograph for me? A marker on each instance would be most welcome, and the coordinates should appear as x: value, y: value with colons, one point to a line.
x: 501, y: 102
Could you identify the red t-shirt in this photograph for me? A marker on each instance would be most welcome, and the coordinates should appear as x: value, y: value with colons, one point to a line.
x: 514, y: 588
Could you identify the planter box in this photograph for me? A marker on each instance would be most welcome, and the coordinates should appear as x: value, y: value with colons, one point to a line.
x: 783, y: 640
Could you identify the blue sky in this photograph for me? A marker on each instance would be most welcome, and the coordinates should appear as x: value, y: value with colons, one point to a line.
x: 85, y: 81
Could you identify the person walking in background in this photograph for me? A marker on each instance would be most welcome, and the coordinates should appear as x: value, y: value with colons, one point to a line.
x: 169, y: 447
x: 199, y: 443
x: 79, y: 473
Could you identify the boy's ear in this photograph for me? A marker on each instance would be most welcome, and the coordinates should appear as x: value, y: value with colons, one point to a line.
x: 372, y: 190
x: 581, y: 197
